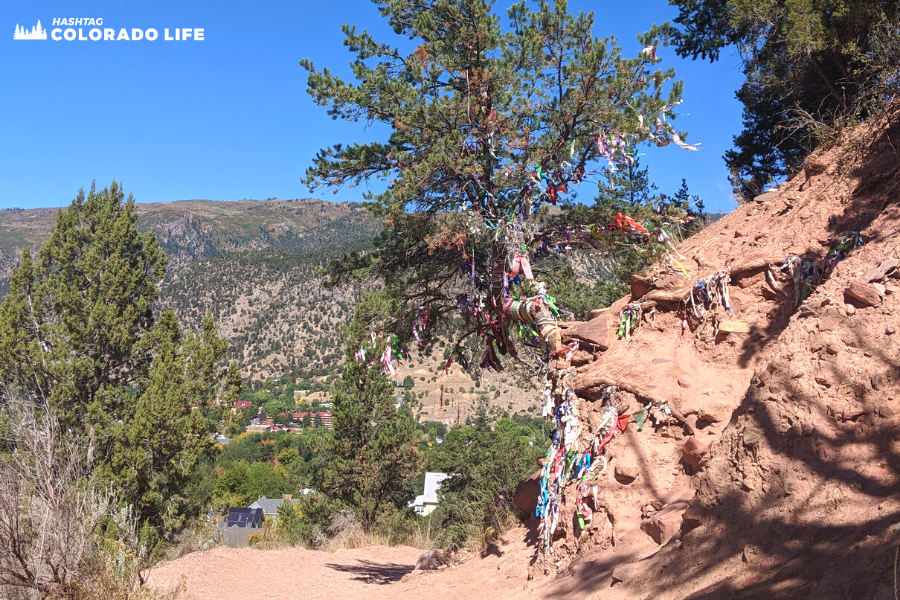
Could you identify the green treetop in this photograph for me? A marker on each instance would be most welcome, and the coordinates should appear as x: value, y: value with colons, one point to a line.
x: 489, y: 120
x: 77, y: 330
x: 72, y: 325
x: 806, y: 62
x: 374, y: 448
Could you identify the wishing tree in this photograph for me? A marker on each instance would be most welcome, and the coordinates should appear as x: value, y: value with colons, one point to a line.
x: 490, y: 122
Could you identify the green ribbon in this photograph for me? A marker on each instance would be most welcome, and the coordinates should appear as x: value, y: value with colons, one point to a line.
x: 639, y: 419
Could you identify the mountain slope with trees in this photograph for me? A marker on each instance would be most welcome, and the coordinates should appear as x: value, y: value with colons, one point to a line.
x: 191, y: 230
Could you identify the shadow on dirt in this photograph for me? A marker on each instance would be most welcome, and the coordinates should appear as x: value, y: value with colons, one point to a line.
x: 373, y: 572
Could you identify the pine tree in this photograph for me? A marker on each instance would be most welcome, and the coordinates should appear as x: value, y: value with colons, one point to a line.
x: 77, y: 329
x: 485, y: 121
x: 827, y: 62
x: 231, y: 389
x: 684, y: 200
x: 159, y: 446
x: 73, y: 323
x: 626, y: 188
x: 375, y: 453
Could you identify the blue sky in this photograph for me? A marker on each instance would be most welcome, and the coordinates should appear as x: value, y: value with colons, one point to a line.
x: 228, y: 117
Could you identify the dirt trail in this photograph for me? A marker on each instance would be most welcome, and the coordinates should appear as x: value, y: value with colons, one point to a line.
x: 376, y: 572
x: 372, y: 573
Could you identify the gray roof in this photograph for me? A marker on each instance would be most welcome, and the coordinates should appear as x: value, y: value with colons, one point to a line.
x: 269, y: 506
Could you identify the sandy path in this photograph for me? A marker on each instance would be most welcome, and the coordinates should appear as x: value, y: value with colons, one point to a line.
x: 378, y: 572
x: 236, y: 574
x: 372, y: 573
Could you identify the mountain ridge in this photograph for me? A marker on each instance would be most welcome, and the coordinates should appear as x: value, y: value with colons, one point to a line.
x: 191, y: 230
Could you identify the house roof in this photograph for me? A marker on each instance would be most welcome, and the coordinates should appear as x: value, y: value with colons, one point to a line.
x: 432, y: 483
x: 269, y: 506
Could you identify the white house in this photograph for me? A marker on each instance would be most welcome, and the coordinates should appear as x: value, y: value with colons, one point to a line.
x: 425, y: 503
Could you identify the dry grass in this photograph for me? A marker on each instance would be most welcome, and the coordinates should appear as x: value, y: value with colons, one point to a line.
x: 200, y: 536
x: 344, y: 532
x: 51, y: 513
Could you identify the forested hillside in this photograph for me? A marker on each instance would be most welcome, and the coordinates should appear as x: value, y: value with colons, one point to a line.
x: 270, y: 305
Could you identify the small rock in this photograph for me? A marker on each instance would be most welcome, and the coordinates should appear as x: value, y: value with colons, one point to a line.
x: 640, y: 285
x: 752, y: 437
x: 734, y: 327
x: 882, y: 269
x: 666, y: 523
x: 660, y: 361
x: 431, y: 560
x: 880, y: 289
x: 827, y: 375
x: 409, y: 576
x: 581, y: 358
x: 823, y: 380
x: 690, y: 422
x: 695, y: 453
x: 833, y: 348
x: 672, y: 283
x: 595, y: 313
x: 891, y: 290
x: 829, y: 323
x: 626, y: 473
x: 714, y: 412
x: 885, y: 412
x: 692, y: 517
x: 516, y: 573
x: 593, y: 333
x: 879, y: 381
x: 864, y: 294
x: 746, y: 282
x: 765, y: 376
x: 751, y: 554
x: 890, y: 329
x: 854, y: 410
x: 817, y: 342
x: 683, y: 381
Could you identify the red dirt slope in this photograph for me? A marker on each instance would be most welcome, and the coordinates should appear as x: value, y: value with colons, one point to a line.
x: 798, y: 494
